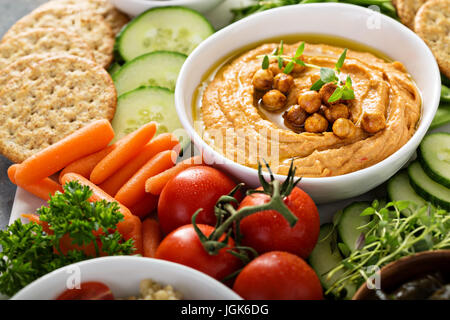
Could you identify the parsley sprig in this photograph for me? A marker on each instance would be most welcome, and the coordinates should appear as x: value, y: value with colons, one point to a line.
x: 29, y: 252
x: 344, y: 89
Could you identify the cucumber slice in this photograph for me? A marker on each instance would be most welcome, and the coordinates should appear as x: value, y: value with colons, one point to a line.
x: 145, y: 104
x: 326, y: 256
x: 445, y: 93
x: 168, y: 28
x: 427, y: 187
x: 113, y: 68
x: 442, y: 116
x: 158, y: 68
x: 350, y: 221
x: 399, y: 189
x: 434, y: 155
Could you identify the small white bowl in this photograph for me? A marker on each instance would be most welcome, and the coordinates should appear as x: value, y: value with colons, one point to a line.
x: 341, y: 20
x: 122, y: 274
x: 135, y: 7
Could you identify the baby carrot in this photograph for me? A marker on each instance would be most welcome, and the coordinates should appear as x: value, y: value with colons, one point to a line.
x: 134, y: 190
x: 165, y: 141
x: 131, y: 228
x: 156, y: 184
x: 89, y: 139
x: 151, y: 237
x: 12, y: 172
x: 145, y: 206
x: 97, y: 193
x: 84, y: 166
x: 42, y: 189
x: 130, y: 146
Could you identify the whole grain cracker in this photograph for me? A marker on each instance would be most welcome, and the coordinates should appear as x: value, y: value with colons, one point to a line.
x: 43, y: 99
x: 407, y: 9
x: 91, y: 27
x: 433, y: 26
x: 113, y: 17
x: 42, y: 41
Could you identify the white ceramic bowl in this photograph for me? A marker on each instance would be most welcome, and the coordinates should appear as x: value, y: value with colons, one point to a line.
x: 342, y: 20
x: 122, y: 274
x: 135, y: 7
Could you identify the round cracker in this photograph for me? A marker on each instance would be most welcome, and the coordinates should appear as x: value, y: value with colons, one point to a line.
x: 407, y: 9
x: 91, y: 27
x: 432, y: 25
x: 43, y: 99
x: 114, y: 17
x: 42, y: 41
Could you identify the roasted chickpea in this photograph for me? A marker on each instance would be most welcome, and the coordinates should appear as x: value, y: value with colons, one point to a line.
x: 323, y: 109
x: 336, y: 111
x: 274, y: 68
x: 263, y: 80
x: 274, y: 100
x: 294, y: 118
x: 283, y: 82
x: 298, y: 68
x: 343, y: 128
x: 316, y: 123
x: 309, y: 101
x: 325, y: 93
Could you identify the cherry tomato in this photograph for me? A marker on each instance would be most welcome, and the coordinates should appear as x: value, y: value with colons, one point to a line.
x: 88, y: 291
x: 183, y: 246
x: 269, y: 231
x: 278, y: 276
x: 194, y: 188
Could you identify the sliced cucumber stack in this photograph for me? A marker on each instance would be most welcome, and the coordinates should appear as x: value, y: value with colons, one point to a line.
x: 169, y: 28
x: 146, y: 104
x: 326, y: 256
x: 434, y: 155
x: 399, y: 189
x: 350, y: 221
x: 158, y: 68
x: 426, y: 187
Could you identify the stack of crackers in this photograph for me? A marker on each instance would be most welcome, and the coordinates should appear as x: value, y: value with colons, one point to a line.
x: 52, y: 73
x: 430, y: 19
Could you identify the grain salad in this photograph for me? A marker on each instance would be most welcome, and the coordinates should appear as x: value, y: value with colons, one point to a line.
x: 152, y: 290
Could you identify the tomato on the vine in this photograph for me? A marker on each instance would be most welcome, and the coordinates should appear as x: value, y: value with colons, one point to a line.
x: 268, y: 230
x: 278, y: 276
x: 194, y: 188
x: 183, y: 246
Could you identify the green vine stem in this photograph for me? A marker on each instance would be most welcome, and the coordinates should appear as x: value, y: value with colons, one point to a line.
x: 228, y: 216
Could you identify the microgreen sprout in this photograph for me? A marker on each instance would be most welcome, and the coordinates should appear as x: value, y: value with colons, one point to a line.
x: 396, y: 230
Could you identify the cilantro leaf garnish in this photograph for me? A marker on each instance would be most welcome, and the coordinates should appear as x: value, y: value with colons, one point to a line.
x: 265, y: 64
x: 340, y: 61
x: 328, y: 75
x: 343, y: 91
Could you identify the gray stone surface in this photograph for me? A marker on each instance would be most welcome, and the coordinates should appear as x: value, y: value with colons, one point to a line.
x: 11, y: 11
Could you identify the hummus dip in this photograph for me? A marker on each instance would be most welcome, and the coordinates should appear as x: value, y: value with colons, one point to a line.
x: 235, y: 124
